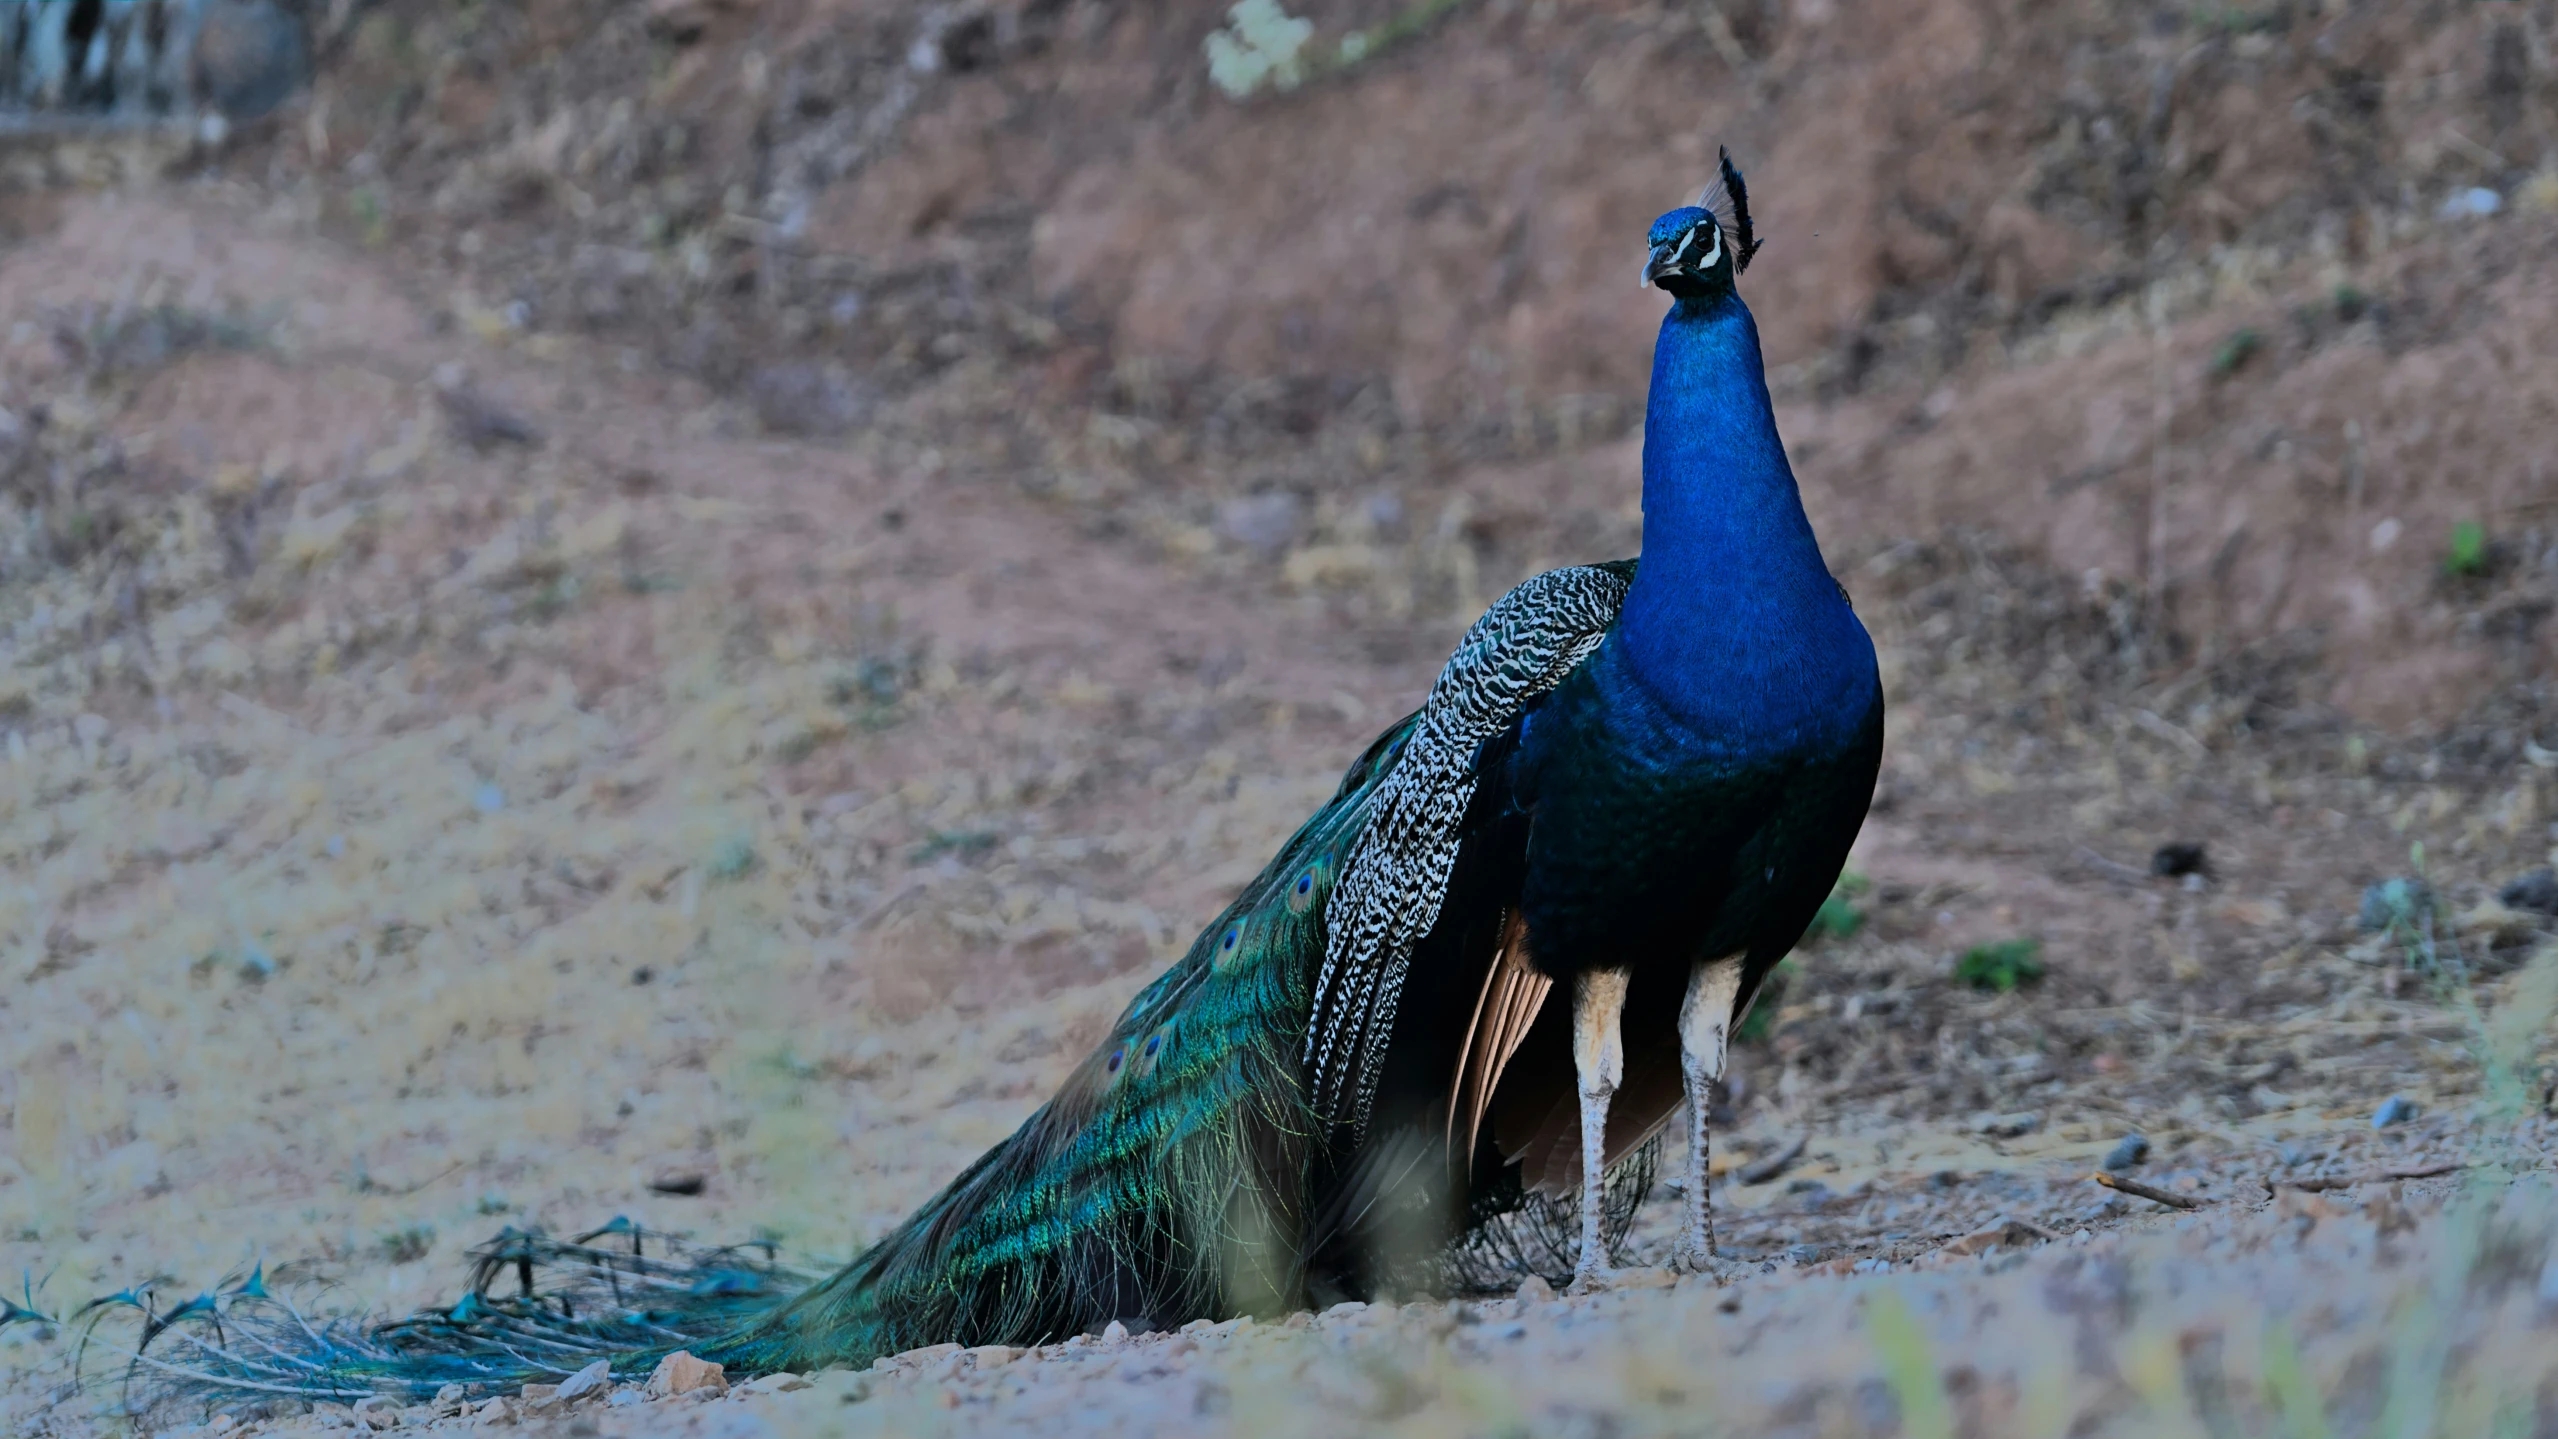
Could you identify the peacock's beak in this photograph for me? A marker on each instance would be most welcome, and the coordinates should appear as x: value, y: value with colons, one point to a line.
x: 1665, y: 258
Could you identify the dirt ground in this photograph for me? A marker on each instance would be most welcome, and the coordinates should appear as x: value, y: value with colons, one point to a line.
x: 534, y: 680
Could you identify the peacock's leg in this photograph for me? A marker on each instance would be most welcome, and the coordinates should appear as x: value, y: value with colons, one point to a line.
x: 1705, y: 1025
x: 1598, y: 1057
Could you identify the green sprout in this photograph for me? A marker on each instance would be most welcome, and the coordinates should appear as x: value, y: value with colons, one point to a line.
x: 733, y: 858
x: 2468, y: 553
x: 1761, y: 1020
x: 2001, y: 967
x: 1840, y: 917
x: 2235, y: 352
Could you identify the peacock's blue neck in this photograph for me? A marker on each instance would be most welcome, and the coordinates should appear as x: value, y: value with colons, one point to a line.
x: 1733, y: 624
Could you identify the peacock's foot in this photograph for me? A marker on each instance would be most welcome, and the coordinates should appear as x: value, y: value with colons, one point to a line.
x: 1708, y: 1265
x: 1592, y: 1279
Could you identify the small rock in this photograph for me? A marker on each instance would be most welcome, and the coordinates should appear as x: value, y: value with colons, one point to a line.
x: 449, y: 1398
x: 539, y: 1394
x: 586, y: 1381
x: 784, y: 1383
x: 1267, y: 523
x: 625, y: 1397
x: 2396, y: 1109
x: 1114, y: 1333
x: 681, y: 1182
x: 681, y: 21
x: 681, y: 1373
x: 1534, y: 1290
x: 1981, y: 1240
x: 2006, y: 1126
x: 2475, y: 202
x: 2399, y: 900
x: 483, y: 423
x: 1643, y: 1278
x: 795, y: 397
x: 2127, y: 1153
x: 984, y: 1356
x: 2179, y: 858
x: 2536, y: 891
x: 493, y: 1413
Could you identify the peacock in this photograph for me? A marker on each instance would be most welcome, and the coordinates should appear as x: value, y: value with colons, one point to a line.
x: 1633, y: 780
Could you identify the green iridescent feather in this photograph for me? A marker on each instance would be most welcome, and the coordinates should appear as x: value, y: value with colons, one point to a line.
x: 1170, y: 1178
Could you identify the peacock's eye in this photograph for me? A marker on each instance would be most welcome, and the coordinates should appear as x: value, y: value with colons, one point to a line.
x: 1116, y: 1056
x: 1305, y: 884
x: 1153, y: 1043
x: 1233, y: 935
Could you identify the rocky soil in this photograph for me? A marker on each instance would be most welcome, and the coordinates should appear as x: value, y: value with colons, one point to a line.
x: 662, y: 609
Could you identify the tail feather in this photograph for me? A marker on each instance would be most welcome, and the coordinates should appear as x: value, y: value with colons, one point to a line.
x: 1183, y: 1171
x: 1169, y: 1179
x: 577, y: 1301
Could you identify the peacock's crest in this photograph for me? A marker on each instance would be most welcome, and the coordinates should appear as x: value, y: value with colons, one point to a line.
x: 1700, y: 249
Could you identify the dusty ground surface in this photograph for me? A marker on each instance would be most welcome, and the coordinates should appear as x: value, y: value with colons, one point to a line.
x: 534, y: 678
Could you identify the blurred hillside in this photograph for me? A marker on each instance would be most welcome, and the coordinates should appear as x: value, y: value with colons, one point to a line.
x: 2193, y: 305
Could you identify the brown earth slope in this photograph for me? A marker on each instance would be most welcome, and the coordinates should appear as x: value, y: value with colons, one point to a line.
x: 696, y: 592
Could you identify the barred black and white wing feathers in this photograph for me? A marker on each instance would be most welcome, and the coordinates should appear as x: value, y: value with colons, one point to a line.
x: 1396, y: 872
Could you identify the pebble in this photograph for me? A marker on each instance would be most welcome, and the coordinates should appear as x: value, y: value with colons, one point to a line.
x: 1267, y: 523
x: 681, y: 1373
x: 2536, y: 891
x: 786, y: 1382
x: 598, y: 1375
x: 2476, y: 201
x: 2396, y: 1109
x: 2179, y: 858
x: 2394, y: 901
x: 1534, y: 1290
x: 1114, y: 1333
x: 2006, y: 1126
x: 2127, y: 1153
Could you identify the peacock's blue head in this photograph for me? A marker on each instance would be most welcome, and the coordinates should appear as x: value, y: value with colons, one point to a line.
x: 1699, y: 250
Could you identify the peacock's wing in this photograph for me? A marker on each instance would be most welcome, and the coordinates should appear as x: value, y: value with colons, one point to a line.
x: 1395, y: 874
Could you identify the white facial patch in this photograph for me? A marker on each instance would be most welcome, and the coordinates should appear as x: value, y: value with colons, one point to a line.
x: 1713, y: 234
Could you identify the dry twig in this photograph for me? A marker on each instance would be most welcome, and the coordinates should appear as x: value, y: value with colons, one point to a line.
x: 2376, y: 1176
x: 1760, y: 1171
x: 2135, y: 1187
